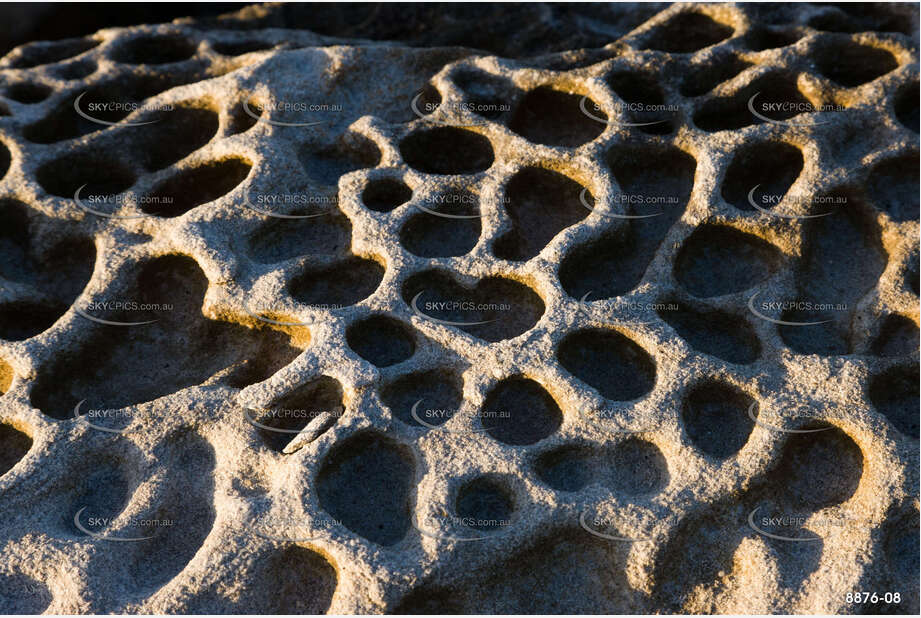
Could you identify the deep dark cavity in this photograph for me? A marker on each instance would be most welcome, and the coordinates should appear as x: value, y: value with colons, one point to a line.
x: 567, y: 468
x: 278, y: 239
x: 98, y: 174
x: 196, y: 186
x: 238, y: 48
x: 76, y: 70
x: 344, y: 283
x: 292, y: 412
x: 385, y: 194
x: 447, y: 150
x: 174, y: 136
x: 702, y: 78
x: 487, y: 95
x: 893, y: 186
x: 63, y: 122
x: 59, y: 273
x: 186, y: 498
x: 894, y: 394
x: 717, y: 420
x: 351, y: 152
x: 760, y: 39
x: 381, y: 340
x: 718, y: 260
x: 554, y: 118
x: 20, y: 594
x: 843, y: 258
x: 638, y: 467
x: 641, y: 91
x: 494, y: 310
x: 44, y: 52
x: 302, y: 582
x: 615, y: 263
x: 238, y: 121
x: 454, y: 231
x: 154, y: 49
x: 608, y: 361
x: 5, y: 160
x: 768, y: 168
x: 541, y: 204
x: 434, y: 395
x: 484, y: 504
x: 99, y: 495
x: 366, y: 483
x: 851, y: 64
x: 897, y: 337
x: 900, y: 543
x: 114, y: 367
x: 28, y: 93
x: 14, y: 445
x: 818, y: 469
x: 519, y: 411
x: 906, y: 106
x: 729, y: 113
x: 713, y: 331
x: 687, y: 32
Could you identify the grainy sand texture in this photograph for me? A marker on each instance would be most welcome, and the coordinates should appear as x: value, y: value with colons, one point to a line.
x: 525, y: 309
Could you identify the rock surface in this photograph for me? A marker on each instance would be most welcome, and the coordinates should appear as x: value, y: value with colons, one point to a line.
x: 300, y: 324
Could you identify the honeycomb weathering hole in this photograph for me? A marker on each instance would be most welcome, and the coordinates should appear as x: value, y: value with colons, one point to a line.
x: 347, y: 282
x: 434, y: 396
x: 774, y: 96
x: 893, y: 186
x: 119, y: 366
x: 703, y: 78
x: 898, y: 336
x: 239, y: 48
x: 327, y: 164
x: 385, y: 194
x: 278, y: 240
x: 554, y: 118
x: 717, y: 418
x: 818, y: 469
x: 27, y: 93
x: 484, y: 504
x: 195, y: 186
x: 288, y: 415
x: 541, y: 203
x: 632, y: 467
x: 493, y: 310
x: 851, y: 64
x: 298, y: 581
x: 154, y: 49
x: 14, y: 445
x: 98, y: 174
x: 519, y: 411
x: 447, y: 150
x: 37, y: 54
x: 613, y: 364
x: 450, y: 227
x: 762, y: 173
x: 381, y: 340
x: 175, y: 135
x: 687, y: 32
x: 645, y: 99
x: 615, y: 263
x: 718, y: 260
x: 894, y: 393
x: 5, y: 160
x: 366, y: 484
x: 906, y: 106
x: 713, y: 332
